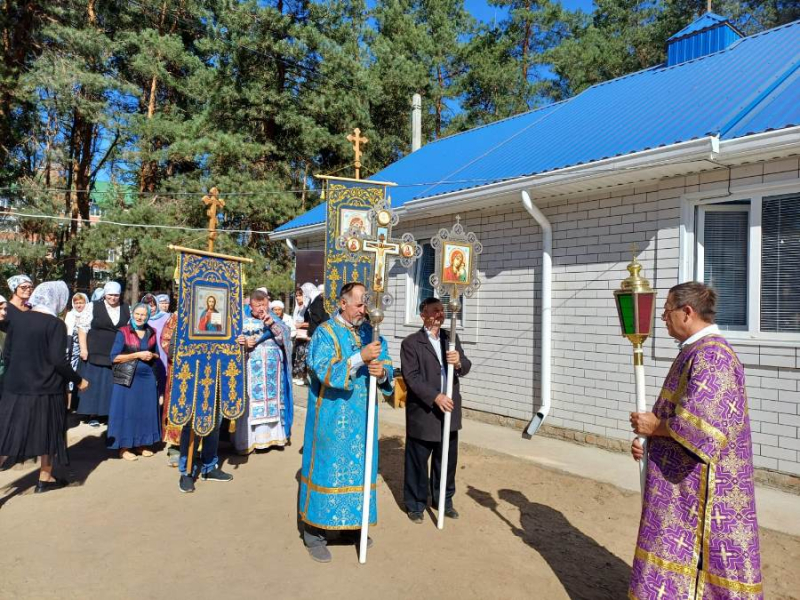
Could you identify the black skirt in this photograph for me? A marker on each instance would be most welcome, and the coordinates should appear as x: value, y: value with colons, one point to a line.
x: 32, y: 426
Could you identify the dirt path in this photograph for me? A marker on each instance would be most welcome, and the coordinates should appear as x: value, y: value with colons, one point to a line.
x: 124, y: 531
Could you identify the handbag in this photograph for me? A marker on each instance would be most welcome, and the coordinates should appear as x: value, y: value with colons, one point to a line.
x: 123, y: 372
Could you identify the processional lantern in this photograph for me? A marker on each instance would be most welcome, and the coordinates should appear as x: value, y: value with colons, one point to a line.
x: 636, y: 304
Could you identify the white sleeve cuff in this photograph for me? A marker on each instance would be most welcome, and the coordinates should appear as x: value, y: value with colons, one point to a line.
x: 356, y: 362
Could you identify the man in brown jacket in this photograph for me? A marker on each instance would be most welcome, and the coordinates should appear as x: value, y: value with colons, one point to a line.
x: 424, y: 357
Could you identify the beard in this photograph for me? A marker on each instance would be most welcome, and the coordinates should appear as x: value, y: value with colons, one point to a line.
x: 358, y: 321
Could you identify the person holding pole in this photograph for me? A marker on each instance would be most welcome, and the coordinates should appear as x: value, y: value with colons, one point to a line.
x: 341, y: 359
x: 424, y: 357
x: 698, y: 534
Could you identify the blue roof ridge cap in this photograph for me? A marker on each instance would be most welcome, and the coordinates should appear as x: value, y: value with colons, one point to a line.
x: 665, y: 67
x: 716, y: 21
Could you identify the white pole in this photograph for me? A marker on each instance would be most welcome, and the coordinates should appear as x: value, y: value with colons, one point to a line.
x: 373, y: 392
x: 641, y: 405
x: 445, y: 445
x: 376, y: 317
x: 416, y: 122
x: 454, y: 308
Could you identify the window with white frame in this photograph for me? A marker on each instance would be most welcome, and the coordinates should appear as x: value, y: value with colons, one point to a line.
x: 419, y: 287
x: 748, y: 249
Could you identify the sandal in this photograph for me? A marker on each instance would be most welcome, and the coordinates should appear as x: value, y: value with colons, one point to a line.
x: 145, y: 452
x: 127, y: 454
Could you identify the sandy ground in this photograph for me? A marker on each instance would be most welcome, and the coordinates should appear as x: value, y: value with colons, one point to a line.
x: 123, y: 530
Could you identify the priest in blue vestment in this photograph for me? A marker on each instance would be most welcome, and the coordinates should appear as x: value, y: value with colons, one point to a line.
x: 341, y: 357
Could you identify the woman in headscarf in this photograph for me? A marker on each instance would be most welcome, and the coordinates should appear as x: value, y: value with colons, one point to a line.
x: 98, y: 324
x: 33, y: 410
x: 304, y: 296
x: 133, y: 420
x: 158, y: 319
x: 163, y: 303
x: 21, y: 288
x: 79, y: 302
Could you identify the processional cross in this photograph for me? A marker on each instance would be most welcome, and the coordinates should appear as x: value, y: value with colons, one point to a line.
x: 357, y: 244
x: 214, y: 203
x: 357, y: 140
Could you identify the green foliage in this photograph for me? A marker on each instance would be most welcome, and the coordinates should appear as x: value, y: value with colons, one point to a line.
x: 166, y: 98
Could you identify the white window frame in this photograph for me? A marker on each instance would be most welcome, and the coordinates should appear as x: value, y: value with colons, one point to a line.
x: 691, y: 252
x: 411, y: 316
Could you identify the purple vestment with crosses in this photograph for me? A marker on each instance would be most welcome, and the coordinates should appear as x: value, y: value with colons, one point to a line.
x: 698, y: 536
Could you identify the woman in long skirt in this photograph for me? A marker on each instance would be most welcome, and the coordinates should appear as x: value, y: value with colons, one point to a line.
x: 79, y: 302
x: 97, y: 328
x: 133, y: 418
x: 33, y: 409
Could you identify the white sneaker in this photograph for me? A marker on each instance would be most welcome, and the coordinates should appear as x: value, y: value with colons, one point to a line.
x: 298, y: 381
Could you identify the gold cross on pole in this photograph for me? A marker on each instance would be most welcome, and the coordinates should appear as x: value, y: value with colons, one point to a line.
x: 357, y: 140
x: 214, y: 203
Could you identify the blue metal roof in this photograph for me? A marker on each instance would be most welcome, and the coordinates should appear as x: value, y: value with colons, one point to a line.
x: 750, y: 87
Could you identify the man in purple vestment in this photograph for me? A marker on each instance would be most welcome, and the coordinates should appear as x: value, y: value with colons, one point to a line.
x: 698, y: 535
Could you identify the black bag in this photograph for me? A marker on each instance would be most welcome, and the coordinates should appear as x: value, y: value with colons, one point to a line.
x: 124, y: 371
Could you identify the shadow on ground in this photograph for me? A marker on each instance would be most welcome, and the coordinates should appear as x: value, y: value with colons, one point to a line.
x: 84, y: 457
x: 565, y: 548
x: 391, y: 465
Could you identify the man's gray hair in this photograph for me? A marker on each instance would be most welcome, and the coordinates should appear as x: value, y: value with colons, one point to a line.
x: 702, y: 298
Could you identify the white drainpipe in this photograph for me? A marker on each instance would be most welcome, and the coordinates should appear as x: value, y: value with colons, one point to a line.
x: 547, y: 303
x: 292, y: 247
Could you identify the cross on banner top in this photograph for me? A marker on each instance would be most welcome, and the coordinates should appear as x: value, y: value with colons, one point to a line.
x: 214, y: 203
x: 357, y: 140
x: 381, y: 246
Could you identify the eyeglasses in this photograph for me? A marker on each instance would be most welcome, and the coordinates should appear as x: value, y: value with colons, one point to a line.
x: 667, y: 311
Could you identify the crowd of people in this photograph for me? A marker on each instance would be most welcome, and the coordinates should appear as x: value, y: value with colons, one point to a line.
x: 109, y: 364
x: 698, y: 512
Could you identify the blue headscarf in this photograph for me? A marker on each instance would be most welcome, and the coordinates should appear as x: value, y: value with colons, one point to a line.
x: 132, y: 323
x: 159, y: 313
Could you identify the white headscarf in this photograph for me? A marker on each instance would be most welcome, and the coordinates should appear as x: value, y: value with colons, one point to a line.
x: 17, y: 280
x: 3, y: 299
x: 112, y: 287
x: 276, y: 304
x: 72, y: 315
x: 310, y: 292
x: 50, y: 297
x: 98, y: 294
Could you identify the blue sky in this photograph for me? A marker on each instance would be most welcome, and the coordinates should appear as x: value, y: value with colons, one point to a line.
x: 481, y: 10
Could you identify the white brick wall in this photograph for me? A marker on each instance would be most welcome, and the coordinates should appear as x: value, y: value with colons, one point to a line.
x: 592, y: 374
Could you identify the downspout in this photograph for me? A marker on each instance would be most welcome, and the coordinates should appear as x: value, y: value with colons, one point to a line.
x: 293, y: 251
x: 547, y: 302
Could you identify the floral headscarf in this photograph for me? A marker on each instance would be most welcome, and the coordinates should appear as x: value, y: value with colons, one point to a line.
x: 17, y: 280
x: 50, y: 297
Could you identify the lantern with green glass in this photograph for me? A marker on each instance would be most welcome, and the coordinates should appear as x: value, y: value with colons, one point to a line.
x: 636, y: 303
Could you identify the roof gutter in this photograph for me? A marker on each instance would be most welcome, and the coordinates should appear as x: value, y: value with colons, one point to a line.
x: 546, y: 312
